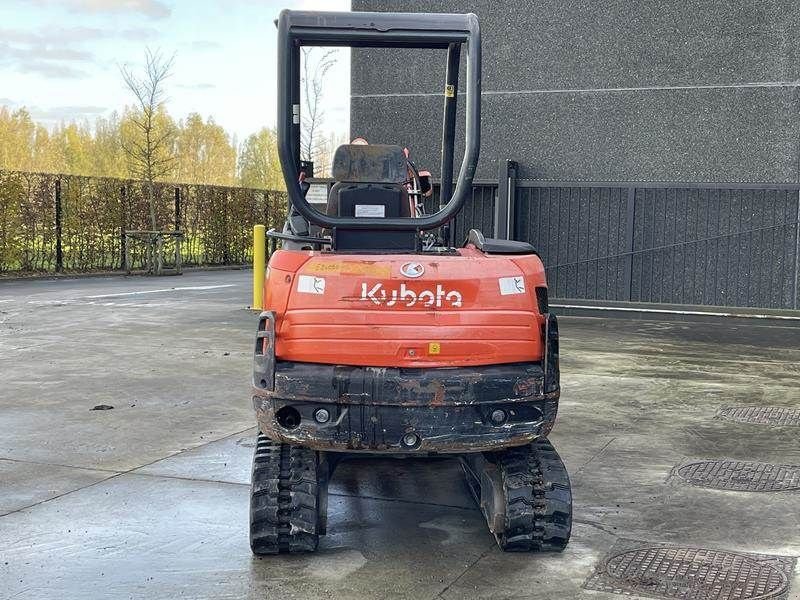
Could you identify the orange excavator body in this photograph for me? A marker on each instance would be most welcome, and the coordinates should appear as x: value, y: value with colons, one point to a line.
x: 467, y: 308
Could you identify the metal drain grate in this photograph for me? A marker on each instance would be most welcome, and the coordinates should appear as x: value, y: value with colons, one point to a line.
x: 663, y: 571
x: 762, y: 415
x: 740, y: 476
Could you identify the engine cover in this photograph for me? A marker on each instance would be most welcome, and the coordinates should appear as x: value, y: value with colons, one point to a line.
x: 406, y: 310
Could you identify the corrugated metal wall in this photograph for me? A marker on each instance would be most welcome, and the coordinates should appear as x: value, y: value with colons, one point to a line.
x: 580, y: 234
x: 665, y: 243
x: 718, y: 245
x: 478, y: 212
x: 725, y: 247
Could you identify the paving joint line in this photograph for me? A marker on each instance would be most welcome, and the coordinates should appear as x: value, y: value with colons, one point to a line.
x: 595, y: 455
x: 464, y: 572
x: 182, y: 478
x: 35, y: 504
x: 60, y: 465
x: 402, y: 501
x: 237, y: 483
x: 336, y: 494
x: 596, y: 525
x: 114, y: 475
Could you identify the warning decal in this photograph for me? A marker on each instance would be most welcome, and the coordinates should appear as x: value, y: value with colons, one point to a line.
x: 309, y: 284
x: 512, y: 285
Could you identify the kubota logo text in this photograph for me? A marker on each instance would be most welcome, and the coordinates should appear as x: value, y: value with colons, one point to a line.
x: 407, y: 297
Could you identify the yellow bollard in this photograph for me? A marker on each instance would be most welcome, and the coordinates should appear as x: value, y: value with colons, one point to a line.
x: 259, y: 266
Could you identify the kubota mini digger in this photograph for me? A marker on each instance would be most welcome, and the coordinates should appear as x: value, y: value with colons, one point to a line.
x: 382, y: 338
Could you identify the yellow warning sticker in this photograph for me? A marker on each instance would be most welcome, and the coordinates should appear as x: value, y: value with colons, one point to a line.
x: 434, y: 348
x: 367, y: 269
x: 449, y: 91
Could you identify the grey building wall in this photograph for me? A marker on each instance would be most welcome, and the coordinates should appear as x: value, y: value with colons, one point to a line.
x: 605, y: 90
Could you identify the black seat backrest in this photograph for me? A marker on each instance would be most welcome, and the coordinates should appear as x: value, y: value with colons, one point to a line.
x: 370, y: 182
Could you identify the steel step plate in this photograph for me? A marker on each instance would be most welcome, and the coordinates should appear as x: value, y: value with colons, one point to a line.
x: 761, y: 415
x: 739, y: 476
x: 666, y: 571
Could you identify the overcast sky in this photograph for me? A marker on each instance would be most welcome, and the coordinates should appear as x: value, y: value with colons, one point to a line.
x: 60, y: 58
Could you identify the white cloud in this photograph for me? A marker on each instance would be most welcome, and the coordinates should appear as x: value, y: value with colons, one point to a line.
x: 201, y: 45
x: 49, y: 36
x: 66, y: 113
x: 53, y: 52
x: 154, y: 9
x: 48, y: 61
x: 196, y: 86
x: 225, y: 63
x: 49, y: 69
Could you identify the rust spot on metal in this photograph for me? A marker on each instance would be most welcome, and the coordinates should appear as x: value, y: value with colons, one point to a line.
x: 528, y: 386
x: 438, y: 396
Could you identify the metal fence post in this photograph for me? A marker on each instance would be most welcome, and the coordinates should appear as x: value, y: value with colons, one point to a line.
x: 506, y: 195
x: 123, y: 224
x: 59, y: 247
x: 796, y: 255
x: 177, y: 239
x: 225, y: 249
x: 627, y: 282
x: 177, y: 209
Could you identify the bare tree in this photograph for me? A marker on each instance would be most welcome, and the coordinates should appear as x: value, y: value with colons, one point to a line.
x: 314, y: 72
x: 150, y: 156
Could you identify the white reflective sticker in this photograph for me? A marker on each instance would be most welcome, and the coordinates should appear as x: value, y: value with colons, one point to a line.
x: 512, y: 285
x: 308, y: 284
x: 370, y: 210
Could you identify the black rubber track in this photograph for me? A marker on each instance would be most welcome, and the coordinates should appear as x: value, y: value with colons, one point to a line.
x: 284, y: 498
x: 538, y: 499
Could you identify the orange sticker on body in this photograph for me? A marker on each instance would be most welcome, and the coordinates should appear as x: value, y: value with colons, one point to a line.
x: 368, y: 269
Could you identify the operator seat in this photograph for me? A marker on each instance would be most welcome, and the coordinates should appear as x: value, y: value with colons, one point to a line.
x: 370, y: 182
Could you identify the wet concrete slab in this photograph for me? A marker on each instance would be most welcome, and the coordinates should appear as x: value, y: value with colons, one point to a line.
x: 160, y: 537
x: 225, y: 461
x: 149, y: 499
x: 25, y: 484
x: 172, y: 356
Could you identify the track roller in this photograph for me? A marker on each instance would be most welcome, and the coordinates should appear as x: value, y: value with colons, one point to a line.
x: 524, y: 494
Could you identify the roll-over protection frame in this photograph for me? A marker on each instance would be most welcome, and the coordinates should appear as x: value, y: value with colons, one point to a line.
x: 382, y: 30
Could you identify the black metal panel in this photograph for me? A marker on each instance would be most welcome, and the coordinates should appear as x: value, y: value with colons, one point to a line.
x: 674, y: 243
x: 580, y: 234
x: 379, y: 241
x: 723, y: 247
x: 478, y: 211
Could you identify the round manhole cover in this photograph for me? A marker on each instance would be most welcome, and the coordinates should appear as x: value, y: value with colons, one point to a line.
x: 695, y: 574
x: 741, y: 476
x: 762, y: 415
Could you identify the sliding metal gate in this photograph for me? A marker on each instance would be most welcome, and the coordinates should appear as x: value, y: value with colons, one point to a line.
x: 675, y: 243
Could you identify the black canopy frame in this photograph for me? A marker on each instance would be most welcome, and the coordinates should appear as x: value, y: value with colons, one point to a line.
x: 383, y: 30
